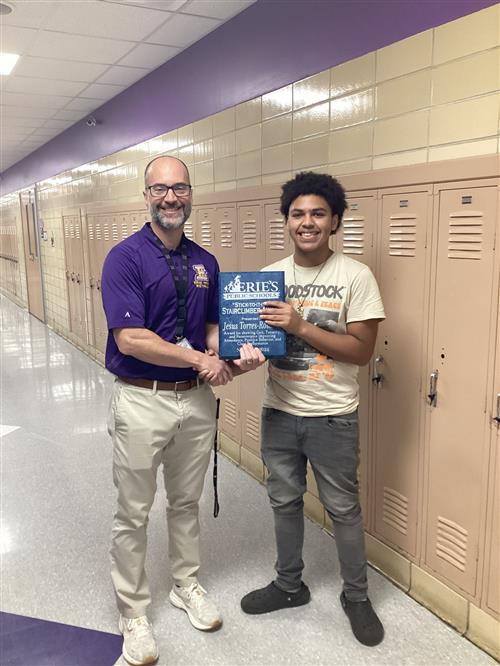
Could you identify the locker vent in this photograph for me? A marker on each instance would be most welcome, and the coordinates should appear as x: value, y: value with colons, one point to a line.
x: 395, y: 510
x: 230, y: 413
x: 134, y: 226
x: 90, y: 227
x: 124, y: 230
x: 98, y: 234
x: 114, y: 232
x: 465, y: 240
x: 188, y: 230
x: 276, y: 234
x: 253, y: 426
x: 206, y: 233
x: 105, y: 231
x: 354, y: 235
x: 226, y: 233
x: 451, y: 543
x: 77, y: 230
x: 250, y: 234
x: 403, y: 235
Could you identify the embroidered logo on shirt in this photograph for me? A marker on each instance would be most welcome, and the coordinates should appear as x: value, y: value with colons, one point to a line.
x: 200, y: 276
x: 127, y: 314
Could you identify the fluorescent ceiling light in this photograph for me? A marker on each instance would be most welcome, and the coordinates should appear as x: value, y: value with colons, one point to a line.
x: 7, y: 62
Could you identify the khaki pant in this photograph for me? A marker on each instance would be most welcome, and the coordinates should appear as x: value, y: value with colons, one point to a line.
x: 148, y: 428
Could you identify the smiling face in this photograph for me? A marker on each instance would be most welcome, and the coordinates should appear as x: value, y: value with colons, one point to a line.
x: 310, y: 223
x: 169, y: 211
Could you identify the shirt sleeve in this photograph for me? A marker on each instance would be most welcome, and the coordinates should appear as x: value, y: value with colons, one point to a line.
x: 365, y: 301
x: 213, y: 296
x: 122, y: 290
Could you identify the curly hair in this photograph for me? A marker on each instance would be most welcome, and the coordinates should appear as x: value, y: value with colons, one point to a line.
x: 321, y: 184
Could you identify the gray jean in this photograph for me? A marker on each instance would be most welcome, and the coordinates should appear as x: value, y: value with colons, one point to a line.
x: 331, y: 444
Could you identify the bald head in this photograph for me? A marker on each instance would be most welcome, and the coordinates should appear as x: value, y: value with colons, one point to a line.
x: 164, y: 164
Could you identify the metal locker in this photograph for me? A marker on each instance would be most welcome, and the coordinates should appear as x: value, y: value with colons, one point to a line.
x: 229, y: 417
x: 136, y: 220
x: 225, y: 231
x: 204, y: 228
x: 458, y: 393
x: 251, y: 252
x: 398, y: 366
x: 31, y: 254
x: 278, y: 244
x: 251, y: 385
x: 95, y: 265
x: 355, y: 238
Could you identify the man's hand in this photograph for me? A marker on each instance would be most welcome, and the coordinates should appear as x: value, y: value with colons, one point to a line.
x: 250, y: 358
x: 281, y: 315
x: 213, y: 370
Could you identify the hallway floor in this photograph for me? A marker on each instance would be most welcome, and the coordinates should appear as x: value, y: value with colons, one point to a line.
x: 57, y: 502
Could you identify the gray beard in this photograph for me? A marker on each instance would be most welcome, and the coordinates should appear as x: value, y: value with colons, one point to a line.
x: 166, y: 224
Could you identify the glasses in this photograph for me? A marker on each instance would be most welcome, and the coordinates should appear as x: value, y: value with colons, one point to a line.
x: 161, y: 190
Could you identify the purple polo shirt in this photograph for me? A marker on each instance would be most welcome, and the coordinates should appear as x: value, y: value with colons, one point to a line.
x: 138, y: 291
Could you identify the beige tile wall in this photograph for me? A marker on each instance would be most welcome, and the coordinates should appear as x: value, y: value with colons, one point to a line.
x: 430, y: 97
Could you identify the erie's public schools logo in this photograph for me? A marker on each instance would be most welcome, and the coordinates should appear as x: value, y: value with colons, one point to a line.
x: 200, y: 276
x: 238, y: 289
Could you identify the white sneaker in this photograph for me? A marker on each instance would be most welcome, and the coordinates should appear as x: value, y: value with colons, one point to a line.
x: 139, y: 644
x: 202, y: 612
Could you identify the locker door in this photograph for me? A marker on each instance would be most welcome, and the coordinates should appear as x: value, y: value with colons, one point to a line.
x: 69, y: 235
x: 204, y: 228
x: 225, y: 235
x: 95, y: 264
x: 189, y: 229
x: 397, y: 445
x: 137, y: 219
x: 251, y: 245
x: 32, y: 262
x: 278, y: 242
x: 251, y: 385
x: 355, y: 238
x: 79, y: 279
x: 459, y: 428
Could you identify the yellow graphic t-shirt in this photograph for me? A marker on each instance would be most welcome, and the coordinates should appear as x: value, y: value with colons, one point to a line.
x: 306, y: 382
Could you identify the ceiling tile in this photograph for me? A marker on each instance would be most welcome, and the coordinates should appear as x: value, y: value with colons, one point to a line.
x: 102, y: 19
x: 102, y: 91
x: 149, y: 55
x: 30, y: 85
x: 69, y: 114
x: 77, y: 47
x: 66, y: 70
x: 222, y: 9
x: 24, y: 122
x: 58, y: 124
x: 39, y: 101
x: 183, y: 30
x: 163, y: 5
x: 17, y: 40
x: 83, y: 104
x: 15, y: 111
x: 124, y: 76
x: 30, y: 13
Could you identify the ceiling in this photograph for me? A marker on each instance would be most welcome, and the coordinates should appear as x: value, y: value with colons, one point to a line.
x: 78, y: 54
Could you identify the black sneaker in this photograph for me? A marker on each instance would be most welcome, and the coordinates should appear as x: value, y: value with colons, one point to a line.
x: 271, y: 598
x: 365, y: 624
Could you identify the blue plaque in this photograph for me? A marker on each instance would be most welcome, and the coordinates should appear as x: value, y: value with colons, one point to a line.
x: 241, y: 297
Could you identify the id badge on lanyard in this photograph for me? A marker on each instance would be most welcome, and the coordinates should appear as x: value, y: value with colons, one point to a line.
x: 184, y: 342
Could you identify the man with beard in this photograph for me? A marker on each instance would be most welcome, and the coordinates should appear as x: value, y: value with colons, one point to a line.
x: 160, y: 295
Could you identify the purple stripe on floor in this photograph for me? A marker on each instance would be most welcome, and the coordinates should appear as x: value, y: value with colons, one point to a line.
x: 27, y: 641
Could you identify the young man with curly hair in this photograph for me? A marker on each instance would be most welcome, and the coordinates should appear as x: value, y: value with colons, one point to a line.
x: 331, y: 316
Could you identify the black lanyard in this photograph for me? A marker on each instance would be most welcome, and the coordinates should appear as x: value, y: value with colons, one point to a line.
x: 181, y: 284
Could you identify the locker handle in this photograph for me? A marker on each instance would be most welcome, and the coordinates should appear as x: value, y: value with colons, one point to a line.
x: 377, y: 376
x: 77, y: 278
x: 72, y: 277
x: 91, y: 282
x: 497, y: 417
x: 433, y: 388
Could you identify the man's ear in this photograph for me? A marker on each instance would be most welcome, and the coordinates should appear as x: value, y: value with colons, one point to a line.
x: 335, y: 225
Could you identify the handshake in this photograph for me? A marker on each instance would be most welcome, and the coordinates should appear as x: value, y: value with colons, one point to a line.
x: 217, y: 372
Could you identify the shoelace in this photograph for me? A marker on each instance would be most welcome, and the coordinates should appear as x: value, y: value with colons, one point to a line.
x: 195, y: 593
x: 141, y: 625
